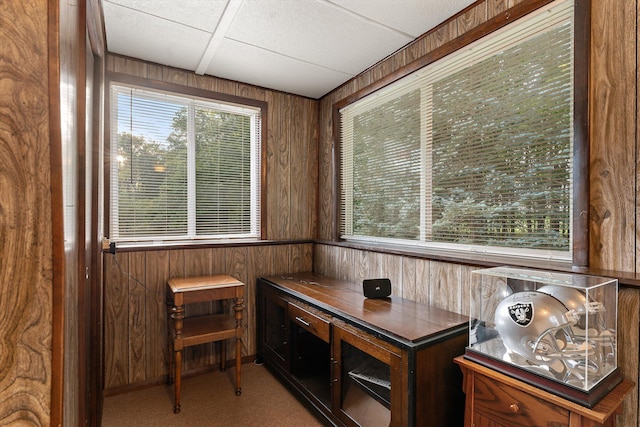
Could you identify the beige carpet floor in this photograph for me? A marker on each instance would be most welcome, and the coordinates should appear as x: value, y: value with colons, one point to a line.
x: 210, y: 400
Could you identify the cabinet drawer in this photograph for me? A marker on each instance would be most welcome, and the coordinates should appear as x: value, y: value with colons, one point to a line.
x: 309, y: 321
x: 508, y: 406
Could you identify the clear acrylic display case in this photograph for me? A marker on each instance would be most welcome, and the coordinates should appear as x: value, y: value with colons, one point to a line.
x: 554, y: 330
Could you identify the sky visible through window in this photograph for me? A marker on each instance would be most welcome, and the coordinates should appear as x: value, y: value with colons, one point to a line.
x: 154, y: 127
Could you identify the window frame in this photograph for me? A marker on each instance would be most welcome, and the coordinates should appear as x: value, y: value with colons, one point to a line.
x: 580, y: 127
x: 115, y: 78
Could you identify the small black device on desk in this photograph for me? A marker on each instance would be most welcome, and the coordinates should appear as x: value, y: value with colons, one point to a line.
x: 376, y: 288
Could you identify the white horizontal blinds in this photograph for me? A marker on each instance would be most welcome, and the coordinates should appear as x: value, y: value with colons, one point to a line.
x: 223, y: 172
x: 150, y: 164
x: 483, y: 135
x: 385, y: 176
x: 502, y: 147
x: 188, y: 168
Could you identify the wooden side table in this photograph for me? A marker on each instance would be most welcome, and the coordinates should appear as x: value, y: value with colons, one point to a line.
x: 185, y: 332
x: 493, y: 398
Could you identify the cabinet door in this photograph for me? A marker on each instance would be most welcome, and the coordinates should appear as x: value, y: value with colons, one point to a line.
x: 311, y: 353
x: 274, y: 327
x: 367, y: 381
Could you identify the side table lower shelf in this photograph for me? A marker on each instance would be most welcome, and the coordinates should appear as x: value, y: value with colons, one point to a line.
x: 209, y: 328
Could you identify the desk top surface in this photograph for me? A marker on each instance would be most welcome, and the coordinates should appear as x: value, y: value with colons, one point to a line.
x: 407, y: 320
x: 201, y: 283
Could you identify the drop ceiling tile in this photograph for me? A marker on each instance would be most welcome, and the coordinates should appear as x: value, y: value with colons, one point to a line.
x: 316, y: 32
x: 245, y: 63
x: 200, y: 14
x: 414, y: 17
x: 143, y: 36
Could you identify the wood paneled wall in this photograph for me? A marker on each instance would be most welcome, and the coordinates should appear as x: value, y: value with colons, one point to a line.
x: 614, y: 146
x: 26, y: 268
x: 135, y: 315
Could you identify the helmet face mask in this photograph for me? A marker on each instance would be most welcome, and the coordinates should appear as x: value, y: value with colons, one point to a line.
x: 589, y: 324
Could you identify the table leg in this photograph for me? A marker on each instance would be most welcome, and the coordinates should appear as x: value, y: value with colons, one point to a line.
x: 178, y: 381
x: 178, y: 317
x: 238, y: 365
x: 223, y: 355
x: 238, y: 306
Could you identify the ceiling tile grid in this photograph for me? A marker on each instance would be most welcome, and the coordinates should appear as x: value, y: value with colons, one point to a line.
x: 303, y: 47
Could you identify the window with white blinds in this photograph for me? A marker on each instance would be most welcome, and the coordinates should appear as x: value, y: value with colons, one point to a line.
x: 473, y: 152
x: 182, y: 168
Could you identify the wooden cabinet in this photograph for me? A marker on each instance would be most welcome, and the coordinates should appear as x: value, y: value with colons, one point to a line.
x: 358, y: 361
x: 273, y: 328
x: 364, y: 372
x: 498, y: 400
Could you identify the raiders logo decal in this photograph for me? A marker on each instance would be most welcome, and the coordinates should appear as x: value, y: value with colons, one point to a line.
x: 521, y: 313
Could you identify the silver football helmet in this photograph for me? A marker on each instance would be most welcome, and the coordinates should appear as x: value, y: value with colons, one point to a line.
x: 537, y: 328
x: 591, y: 323
x: 589, y: 314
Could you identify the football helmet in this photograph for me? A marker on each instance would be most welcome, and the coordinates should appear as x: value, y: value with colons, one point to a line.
x: 589, y: 314
x: 591, y: 323
x: 537, y: 328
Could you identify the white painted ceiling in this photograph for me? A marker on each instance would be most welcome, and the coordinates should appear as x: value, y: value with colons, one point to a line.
x: 304, y: 47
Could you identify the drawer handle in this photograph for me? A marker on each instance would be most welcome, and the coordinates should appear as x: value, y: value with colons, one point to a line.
x: 304, y: 322
x: 514, y: 408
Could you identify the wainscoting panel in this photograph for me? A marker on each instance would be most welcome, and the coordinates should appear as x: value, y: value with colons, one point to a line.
x: 135, y: 311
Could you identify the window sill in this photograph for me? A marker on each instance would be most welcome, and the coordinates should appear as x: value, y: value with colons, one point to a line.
x: 197, y: 244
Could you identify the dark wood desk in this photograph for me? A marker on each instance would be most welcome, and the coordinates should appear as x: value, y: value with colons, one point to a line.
x: 185, y: 332
x: 358, y: 361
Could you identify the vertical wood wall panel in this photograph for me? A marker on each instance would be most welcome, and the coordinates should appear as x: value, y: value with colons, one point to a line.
x: 613, y: 135
x: 326, y: 168
x: 472, y: 18
x: 444, y: 285
x: 629, y: 351
x: 391, y: 267
x: 637, y: 175
x: 116, y: 321
x: 155, y: 334
x: 409, y: 278
x: 494, y: 7
x: 237, y: 263
x: 423, y: 275
x: 26, y: 268
x: 137, y: 315
x: 279, y: 174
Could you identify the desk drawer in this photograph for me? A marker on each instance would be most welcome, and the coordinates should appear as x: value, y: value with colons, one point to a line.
x: 508, y: 406
x: 309, y: 321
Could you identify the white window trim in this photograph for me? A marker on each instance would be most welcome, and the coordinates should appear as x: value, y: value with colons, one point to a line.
x: 190, y: 101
